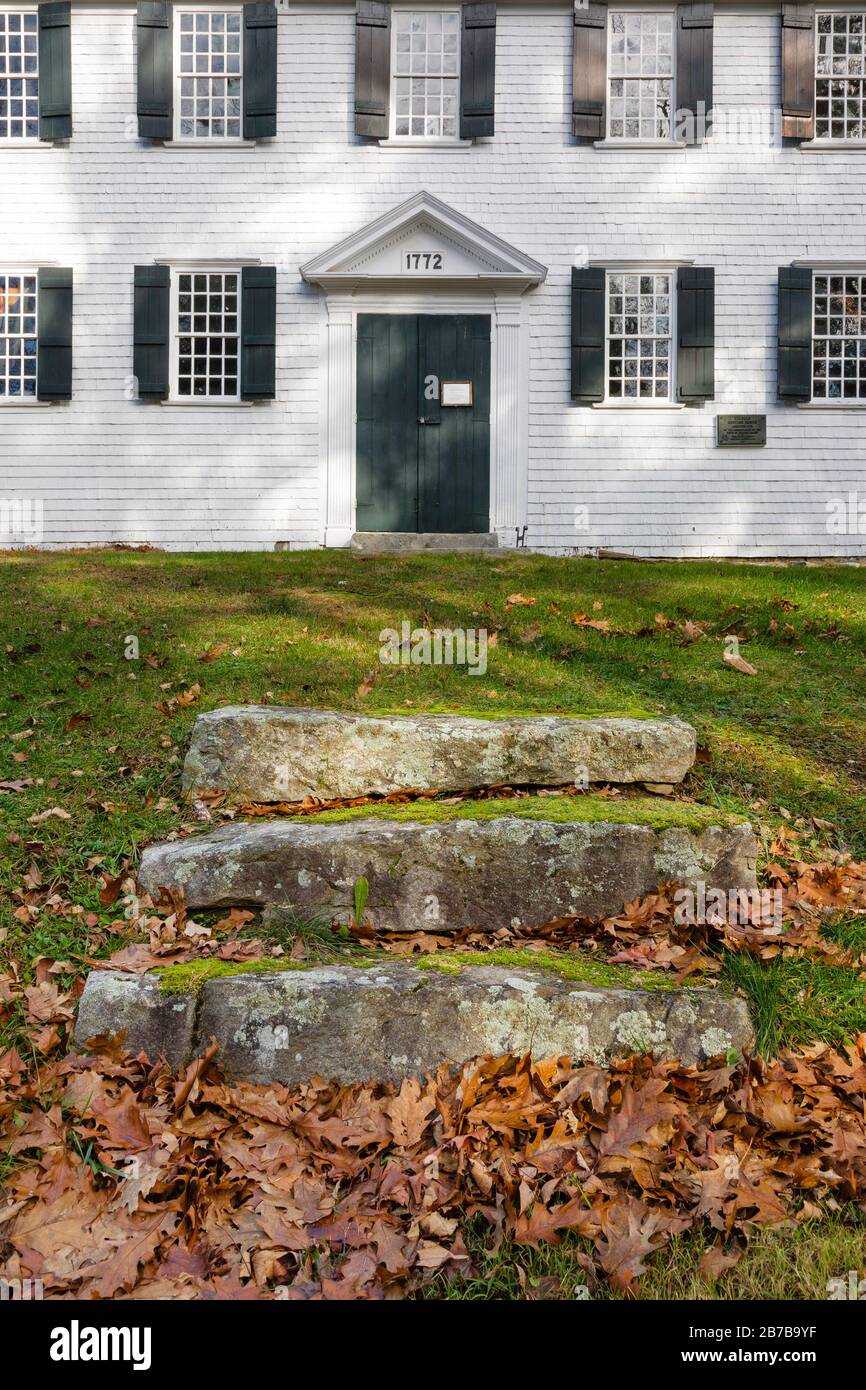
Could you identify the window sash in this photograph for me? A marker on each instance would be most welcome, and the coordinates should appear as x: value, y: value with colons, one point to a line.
x: 855, y: 82
x: 641, y: 78
x: 8, y: 338
x: 7, y: 78
x: 209, y: 76
x: 839, y: 339
x: 176, y: 334
x: 670, y: 337
x: 443, y: 80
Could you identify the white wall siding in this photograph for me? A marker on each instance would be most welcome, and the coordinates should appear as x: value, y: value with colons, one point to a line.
x: 111, y: 469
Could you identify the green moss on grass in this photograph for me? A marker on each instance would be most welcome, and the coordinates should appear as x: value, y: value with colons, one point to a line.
x: 659, y: 813
x: 571, y: 965
x: 193, y: 974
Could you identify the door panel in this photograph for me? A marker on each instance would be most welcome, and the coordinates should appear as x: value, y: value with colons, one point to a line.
x: 387, y: 430
x: 421, y: 466
x: 454, y: 456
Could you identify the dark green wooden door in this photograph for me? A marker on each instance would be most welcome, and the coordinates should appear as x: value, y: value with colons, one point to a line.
x: 422, y: 465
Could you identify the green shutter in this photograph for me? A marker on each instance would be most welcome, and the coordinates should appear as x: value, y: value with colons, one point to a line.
x: 150, y: 330
x: 587, y: 335
x: 54, y: 352
x: 258, y: 332
x: 589, y: 72
x: 694, y: 84
x: 696, y: 333
x: 372, y: 68
x: 155, y: 62
x: 260, y: 71
x: 55, y: 72
x: 795, y: 333
x: 477, y: 71
x: 798, y: 72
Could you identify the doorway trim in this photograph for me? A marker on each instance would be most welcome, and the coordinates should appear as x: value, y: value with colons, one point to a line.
x: 360, y: 276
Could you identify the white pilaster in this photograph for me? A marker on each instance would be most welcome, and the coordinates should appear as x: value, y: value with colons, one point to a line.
x: 340, y: 447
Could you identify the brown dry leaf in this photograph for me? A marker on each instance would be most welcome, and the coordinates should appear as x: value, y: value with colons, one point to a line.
x: 409, y: 1113
x: 214, y: 651
x: 739, y: 664
x: 518, y: 601
x: 715, y: 1262
x: 367, y: 684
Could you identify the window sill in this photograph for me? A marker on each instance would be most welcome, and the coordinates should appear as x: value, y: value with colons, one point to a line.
x: 207, y: 144
x: 209, y: 403
x: 639, y: 405
x: 639, y: 145
x: 833, y: 406
x: 29, y: 405
x: 831, y: 146
x: 400, y: 142
x: 30, y: 143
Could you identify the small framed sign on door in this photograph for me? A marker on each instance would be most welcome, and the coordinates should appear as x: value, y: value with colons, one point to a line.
x: 456, y: 393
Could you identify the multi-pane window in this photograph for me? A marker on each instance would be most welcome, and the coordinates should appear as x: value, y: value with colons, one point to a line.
x: 840, y: 77
x: 426, y: 68
x: 639, y: 322
x: 17, y: 336
x: 208, y: 75
x: 640, y: 75
x: 839, y: 338
x: 206, y: 333
x: 19, y: 75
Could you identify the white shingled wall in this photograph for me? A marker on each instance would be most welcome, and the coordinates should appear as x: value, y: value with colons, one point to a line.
x: 112, y: 469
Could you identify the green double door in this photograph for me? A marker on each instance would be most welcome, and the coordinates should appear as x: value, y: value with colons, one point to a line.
x: 422, y: 464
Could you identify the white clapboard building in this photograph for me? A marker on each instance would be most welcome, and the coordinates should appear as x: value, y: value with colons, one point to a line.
x: 574, y: 276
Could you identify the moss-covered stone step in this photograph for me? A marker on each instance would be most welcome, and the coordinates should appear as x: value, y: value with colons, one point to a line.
x: 445, y: 875
x: 277, y: 753
x: 393, y: 1020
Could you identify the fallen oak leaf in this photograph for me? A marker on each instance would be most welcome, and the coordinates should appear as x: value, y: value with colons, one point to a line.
x: 738, y: 663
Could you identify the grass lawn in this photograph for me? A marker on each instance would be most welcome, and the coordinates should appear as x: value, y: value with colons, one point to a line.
x: 80, y: 731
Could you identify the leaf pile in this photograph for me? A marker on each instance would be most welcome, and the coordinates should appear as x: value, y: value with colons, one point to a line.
x: 131, y: 1181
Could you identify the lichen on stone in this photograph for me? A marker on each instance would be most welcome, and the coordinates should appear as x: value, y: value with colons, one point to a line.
x: 635, y: 1030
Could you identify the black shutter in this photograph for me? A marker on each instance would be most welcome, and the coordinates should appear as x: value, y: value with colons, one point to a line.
x: 694, y: 85
x: 795, y: 333
x: 150, y: 332
x: 798, y: 71
x: 372, y: 68
x: 260, y: 71
x: 587, y: 335
x: 258, y: 332
x: 477, y: 71
x: 54, y: 354
x: 155, y: 62
x: 55, y: 72
x: 696, y: 333
x: 589, y: 72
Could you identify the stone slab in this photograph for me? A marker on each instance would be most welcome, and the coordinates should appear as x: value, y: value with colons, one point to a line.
x: 155, y: 1023
x: 446, y: 875
x: 393, y: 1020
x: 278, y: 753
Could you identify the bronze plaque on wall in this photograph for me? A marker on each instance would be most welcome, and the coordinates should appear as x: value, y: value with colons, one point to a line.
x: 740, y: 429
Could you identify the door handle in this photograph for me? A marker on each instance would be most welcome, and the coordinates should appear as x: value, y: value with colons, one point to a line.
x: 426, y: 420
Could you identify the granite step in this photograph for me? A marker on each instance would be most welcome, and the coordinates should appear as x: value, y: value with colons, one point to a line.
x: 391, y: 1020
x: 269, y: 753
x: 446, y: 874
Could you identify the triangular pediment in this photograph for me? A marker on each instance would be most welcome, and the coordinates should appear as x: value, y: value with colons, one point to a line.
x: 423, y: 240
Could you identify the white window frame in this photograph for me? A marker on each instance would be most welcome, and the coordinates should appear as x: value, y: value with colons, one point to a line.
x: 7, y: 140
x: 7, y: 401
x: 625, y: 140
x: 422, y: 140
x: 198, y: 268
x: 211, y: 141
x: 831, y: 402
x: 837, y: 141
x: 642, y: 402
